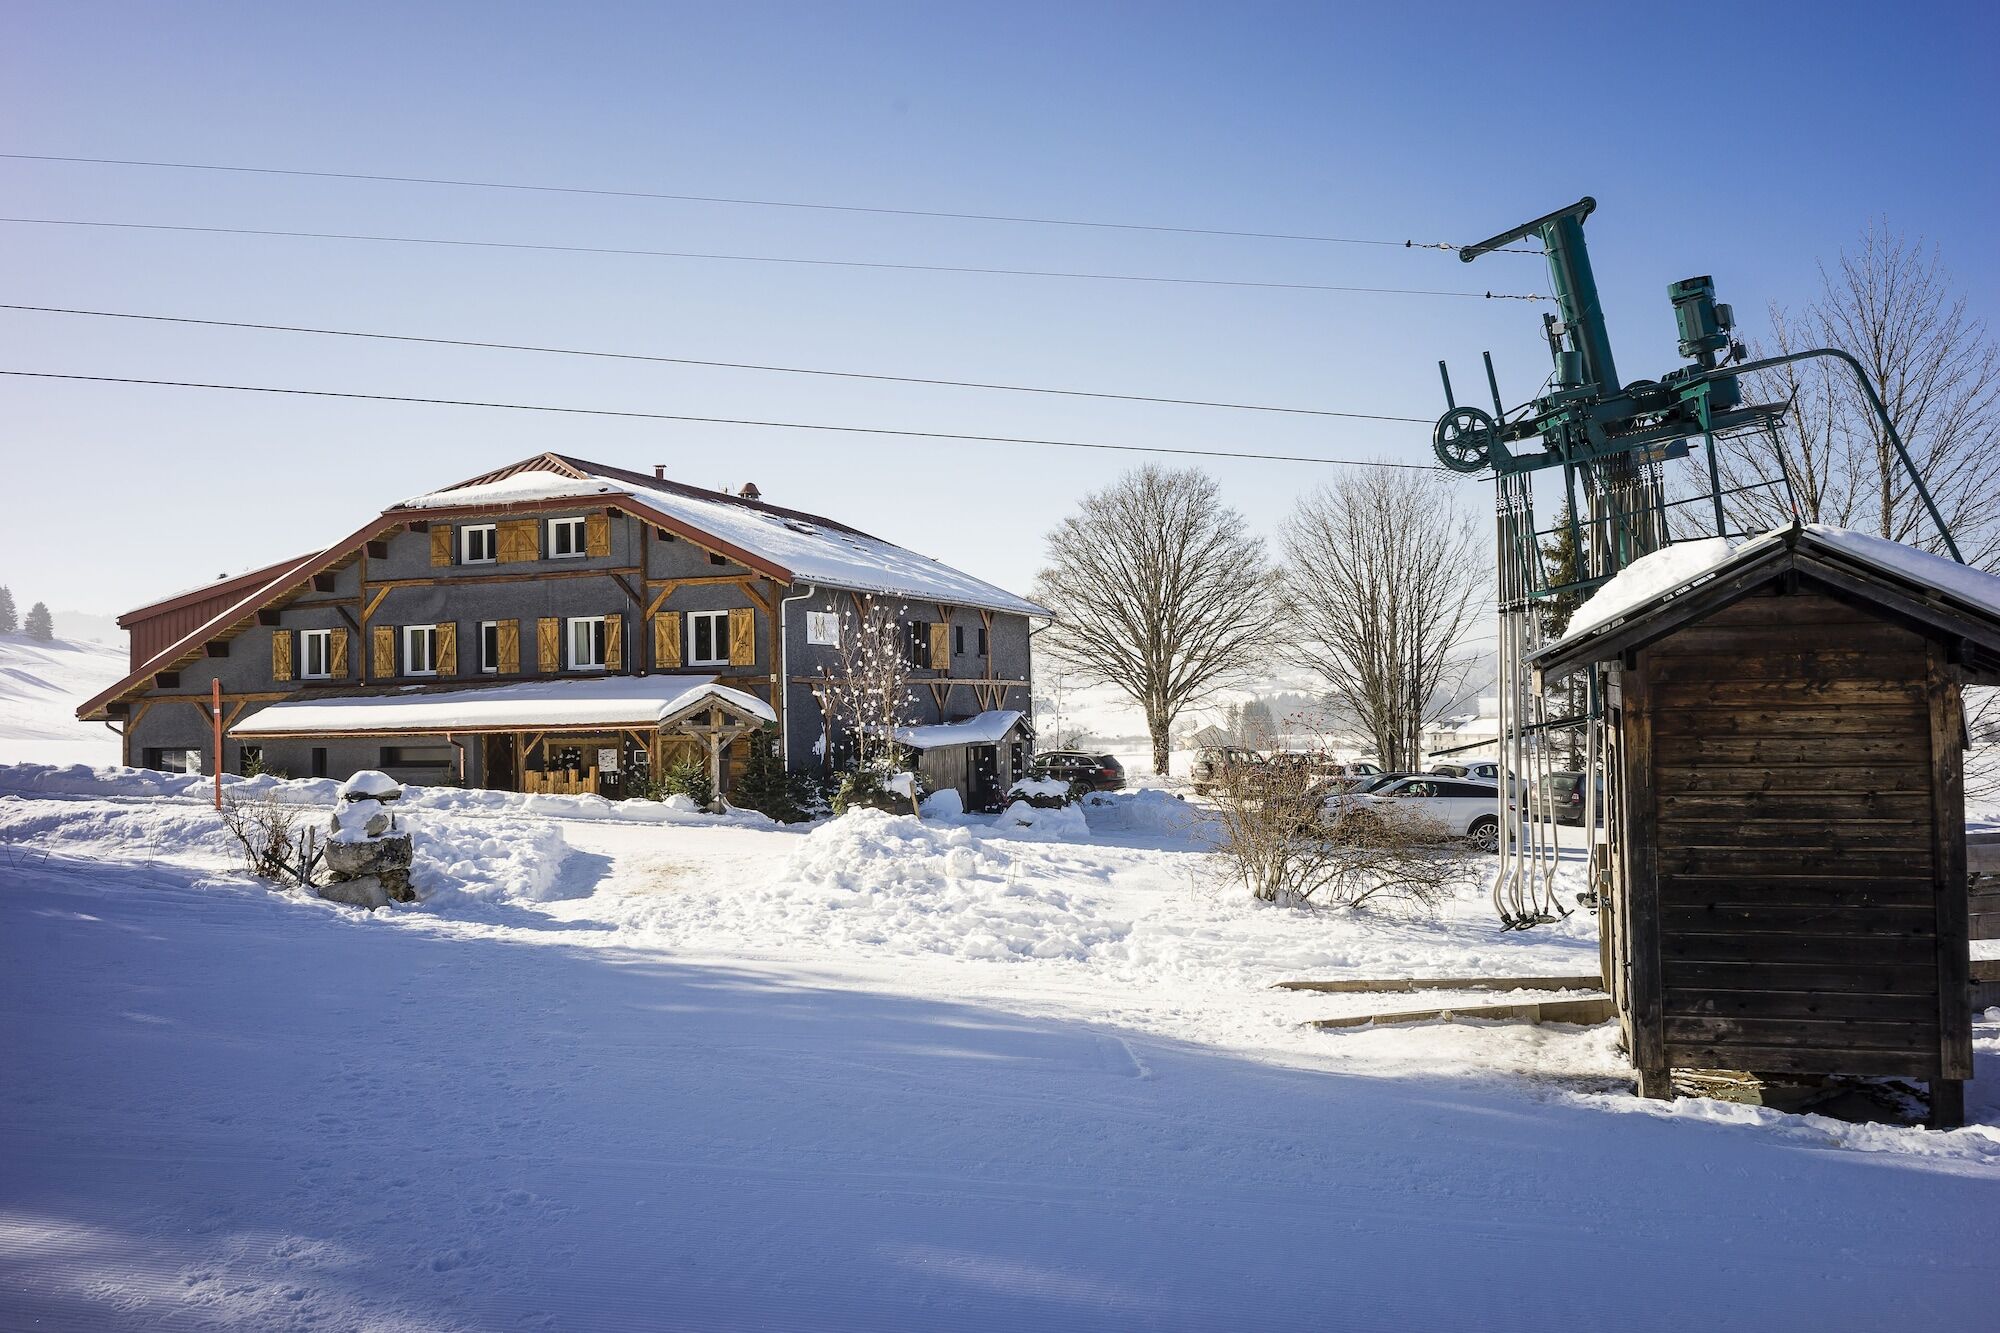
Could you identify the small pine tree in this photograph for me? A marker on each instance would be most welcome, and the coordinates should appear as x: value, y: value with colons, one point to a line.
x: 689, y: 778
x: 10, y: 619
x: 41, y: 625
x: 764, y: 785
x: 1562, y: 563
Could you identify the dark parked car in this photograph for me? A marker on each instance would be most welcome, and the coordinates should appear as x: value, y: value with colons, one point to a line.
x: 1564, y: 799
x: 1083, y: 772
x: 1216, y: 764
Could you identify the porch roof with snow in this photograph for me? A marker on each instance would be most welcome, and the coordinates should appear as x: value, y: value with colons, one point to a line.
x: 607, y: 703
x: 1660, y: 592
x: 988, y: 728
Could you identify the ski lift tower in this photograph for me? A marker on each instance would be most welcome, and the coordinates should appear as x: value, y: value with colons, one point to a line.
x: 1610, y: 440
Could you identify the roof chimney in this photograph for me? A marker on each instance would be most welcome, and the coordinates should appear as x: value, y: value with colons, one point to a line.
x: 750, y: 491
x: 659, y: 472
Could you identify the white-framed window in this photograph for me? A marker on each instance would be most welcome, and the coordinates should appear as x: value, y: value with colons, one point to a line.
x: 568, y: 538
x: 315, y: 654
x: 708, y: 638
x: 478, y: 544
x: 420, y: 650
x: 489, y: 646
x: 586, y: 642
x: 823, y: 628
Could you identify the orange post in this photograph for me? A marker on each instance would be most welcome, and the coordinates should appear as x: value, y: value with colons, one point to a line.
x: 215, y: 710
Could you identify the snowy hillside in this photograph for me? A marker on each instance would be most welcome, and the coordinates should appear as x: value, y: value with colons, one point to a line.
x: 40, y: 686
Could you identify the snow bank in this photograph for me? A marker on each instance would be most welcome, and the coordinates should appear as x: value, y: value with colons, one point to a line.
x: 460, y: 858
x: 114, y: 781
x: 896, y: 884
x: 1148, y: 810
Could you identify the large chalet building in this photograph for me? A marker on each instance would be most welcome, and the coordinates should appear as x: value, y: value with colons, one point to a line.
x: 562, y: 626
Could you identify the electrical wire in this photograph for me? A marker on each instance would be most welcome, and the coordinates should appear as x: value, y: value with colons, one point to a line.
x: 693, y: 361
x: 761, y: 259
x: 718, y: 421
x: 742, y: 202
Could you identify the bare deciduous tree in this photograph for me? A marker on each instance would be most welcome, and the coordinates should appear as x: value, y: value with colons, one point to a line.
x: 1889, y: 303
x: 1159, y: 589
x: 1382, y: 581
x: 870, y: 693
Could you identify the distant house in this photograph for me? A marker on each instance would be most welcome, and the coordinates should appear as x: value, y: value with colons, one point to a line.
x: 558, y: 625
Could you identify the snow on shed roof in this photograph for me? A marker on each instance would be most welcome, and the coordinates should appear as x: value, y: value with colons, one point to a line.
x: 607, y: 701
x: 1669, y: 573
x: 988, y: 728
x: 809, y: 548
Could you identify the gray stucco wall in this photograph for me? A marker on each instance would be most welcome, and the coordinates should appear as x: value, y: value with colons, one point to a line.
x: 584, y: 586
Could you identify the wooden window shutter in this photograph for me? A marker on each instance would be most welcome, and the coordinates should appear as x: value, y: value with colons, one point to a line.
x: 520, y: 540
x: 281, y: 654
x: 383, y: 652
x: 446, y: 658
x: 510, y: 647
x: 548, y: 644
x: 597, y: 535
x: 336, y: 654
x: 440, y: 543
x: 742, y: 637
x: 940, y: 646
x: 614, y: 643
x: 667, y: 639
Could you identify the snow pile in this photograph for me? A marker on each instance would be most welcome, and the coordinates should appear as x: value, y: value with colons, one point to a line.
x: 464, y: 861
x: 1646, y: 578
x: 946, y: 804
x: 1148, y: 810
x: 894, y: 883
x: 1064, y: 823
x: 1055, y: 787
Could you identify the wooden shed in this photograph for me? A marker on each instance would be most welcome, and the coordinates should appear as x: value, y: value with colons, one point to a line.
x: 979, y: 757
x: 1787, y: 894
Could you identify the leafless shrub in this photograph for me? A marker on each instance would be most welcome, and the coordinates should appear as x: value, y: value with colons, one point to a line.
x: 872, y: 691
x: 1289, y: 839
x: 274, y: 845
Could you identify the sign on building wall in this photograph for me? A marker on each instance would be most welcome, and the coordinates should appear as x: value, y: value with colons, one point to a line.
x: 823, y: 628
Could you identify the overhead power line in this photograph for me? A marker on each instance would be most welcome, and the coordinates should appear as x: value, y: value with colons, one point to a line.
x: 759, y: 259
x: 743, y: 202
x: 693, y: 361
x: 715, y: 421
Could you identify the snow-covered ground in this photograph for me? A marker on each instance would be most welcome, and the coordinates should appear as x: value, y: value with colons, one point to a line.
x: 40, y: 686
x: 681, y: 1072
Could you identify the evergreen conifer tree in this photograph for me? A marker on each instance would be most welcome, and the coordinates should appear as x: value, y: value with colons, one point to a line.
x: 41, y: 625
x: 763, y: 785
x: 10, y: 620
x: 1562, y: 563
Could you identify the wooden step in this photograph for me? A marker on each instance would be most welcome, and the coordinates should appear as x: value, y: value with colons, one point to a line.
x: 1586, y: 1010
x: 1591, y: 982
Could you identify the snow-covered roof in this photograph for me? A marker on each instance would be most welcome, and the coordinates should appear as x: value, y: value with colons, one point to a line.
x: 808, y: 548
x: 608, y: 701
x: 988, y: 728
x: 1674, y: 571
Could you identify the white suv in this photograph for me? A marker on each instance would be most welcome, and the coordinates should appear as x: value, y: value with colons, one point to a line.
x: 1456, y: 807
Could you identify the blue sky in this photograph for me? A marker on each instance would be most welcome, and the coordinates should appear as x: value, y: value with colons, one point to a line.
x: 1750, y: 143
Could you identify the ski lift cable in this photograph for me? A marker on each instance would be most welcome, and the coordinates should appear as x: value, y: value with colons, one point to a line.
x: 737, y: 201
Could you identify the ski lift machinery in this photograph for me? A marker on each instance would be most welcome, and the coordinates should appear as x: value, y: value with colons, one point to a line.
x: 1610, y: 440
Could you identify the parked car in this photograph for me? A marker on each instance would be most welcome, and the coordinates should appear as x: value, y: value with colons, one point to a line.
x: 1481, y: 770
x: 1216, y: 764
x: 1457, y: 807
x: 1082, y: 771
x: 1375, y: 781
x: 1563, y: 799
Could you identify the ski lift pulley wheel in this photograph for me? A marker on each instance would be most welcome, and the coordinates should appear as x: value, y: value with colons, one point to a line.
x: 1463, y: 440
